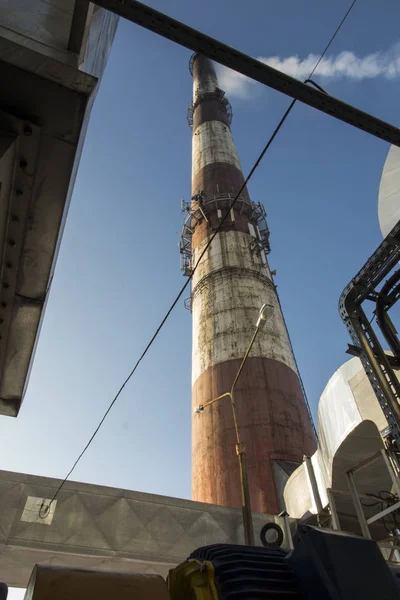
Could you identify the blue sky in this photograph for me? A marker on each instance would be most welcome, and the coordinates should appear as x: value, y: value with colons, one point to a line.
x: 118, y: 268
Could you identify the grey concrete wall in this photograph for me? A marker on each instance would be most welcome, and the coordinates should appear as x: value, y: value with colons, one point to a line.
x: 44, y: 25
x: 52, y: 63
x: 106, y: 528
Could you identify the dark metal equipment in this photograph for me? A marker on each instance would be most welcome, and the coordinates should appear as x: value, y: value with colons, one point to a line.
x: 323, y: 564
x: 388, y: 296
x: 377, y: 364
x: 163, y: 25
x: 333, y: 565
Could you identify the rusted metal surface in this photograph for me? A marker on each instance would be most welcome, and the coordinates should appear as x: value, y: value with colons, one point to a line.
x: 273, y: 421
x: 229, y: 286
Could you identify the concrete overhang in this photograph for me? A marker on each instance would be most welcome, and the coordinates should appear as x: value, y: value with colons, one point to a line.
x: 42, y: 108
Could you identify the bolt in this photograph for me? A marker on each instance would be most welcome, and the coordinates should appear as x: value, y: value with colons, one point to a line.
x: 14, y: 218
x: 23, y: 163
x: 12, y: 243
x: 18, y: 192
x: 27, y: 130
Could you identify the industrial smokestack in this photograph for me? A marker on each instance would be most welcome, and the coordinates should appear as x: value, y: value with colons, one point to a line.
x: 230, y: 284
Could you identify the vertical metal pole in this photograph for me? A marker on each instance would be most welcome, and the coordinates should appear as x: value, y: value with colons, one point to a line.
x: 357, y: 505
x: 394, y: 478
x: 246, y: 506
x: 241, y: 453
x: 286, y: 526
x: 332, y: 506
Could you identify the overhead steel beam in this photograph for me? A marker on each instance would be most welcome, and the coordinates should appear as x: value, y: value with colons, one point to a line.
x: 159, y: 23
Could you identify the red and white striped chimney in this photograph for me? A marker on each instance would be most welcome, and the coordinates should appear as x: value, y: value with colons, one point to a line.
x: 229, y: 286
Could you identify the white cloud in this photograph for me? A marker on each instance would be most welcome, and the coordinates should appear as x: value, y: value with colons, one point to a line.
x: 344, y: 65
x: 234, y: 84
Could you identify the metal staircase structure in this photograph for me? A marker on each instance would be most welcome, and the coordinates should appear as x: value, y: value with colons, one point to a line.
x: 199, y: 209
